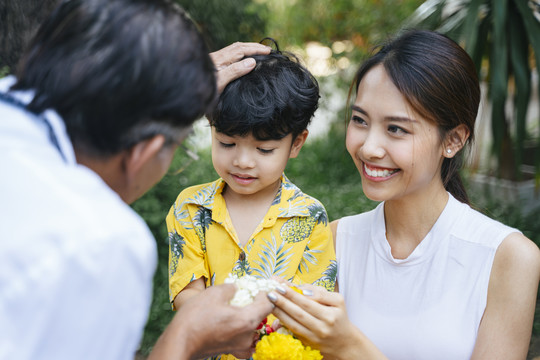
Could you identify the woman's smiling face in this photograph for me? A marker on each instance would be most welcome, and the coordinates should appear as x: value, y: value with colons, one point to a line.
x: 397, y: 152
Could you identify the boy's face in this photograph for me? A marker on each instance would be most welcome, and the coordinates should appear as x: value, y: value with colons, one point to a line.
x: 250, y: 166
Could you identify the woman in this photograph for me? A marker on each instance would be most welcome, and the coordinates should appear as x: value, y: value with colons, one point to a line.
x: 422, y: 276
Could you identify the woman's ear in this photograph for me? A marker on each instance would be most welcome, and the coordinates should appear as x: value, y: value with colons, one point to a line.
x: 297, y: 144
x: 455, y: 140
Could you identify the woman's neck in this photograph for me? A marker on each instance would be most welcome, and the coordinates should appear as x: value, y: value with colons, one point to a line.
x: 408, y: 220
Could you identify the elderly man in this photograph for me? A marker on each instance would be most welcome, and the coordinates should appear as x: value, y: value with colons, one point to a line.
x: 105, y: 93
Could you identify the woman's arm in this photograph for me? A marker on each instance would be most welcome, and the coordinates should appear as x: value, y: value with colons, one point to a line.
x: 320, y: 320
x: 505, y: 330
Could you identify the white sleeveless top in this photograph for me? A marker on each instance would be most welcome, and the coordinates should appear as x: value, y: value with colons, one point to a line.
x: 427, y: 306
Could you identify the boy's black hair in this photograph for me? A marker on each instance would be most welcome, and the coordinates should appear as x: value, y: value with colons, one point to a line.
x: 277, y: 98
x: 119, y: 71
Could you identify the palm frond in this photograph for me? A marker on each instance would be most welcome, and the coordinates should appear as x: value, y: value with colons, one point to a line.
x: 183, y: 218
x: 532, y: 26
x: 519, y: 59
x: 498, y: 70
x: 274, y: 259
x: 504, y: 32
x: 308, y: 257
x: 331, y: 271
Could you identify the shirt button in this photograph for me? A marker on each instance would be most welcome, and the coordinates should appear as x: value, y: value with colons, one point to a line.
x: 242, y: 256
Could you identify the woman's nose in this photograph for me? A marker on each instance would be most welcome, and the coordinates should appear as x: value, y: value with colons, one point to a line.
x: 373, y: 146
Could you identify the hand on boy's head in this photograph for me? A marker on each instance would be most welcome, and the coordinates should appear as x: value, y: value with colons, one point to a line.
x: 229, y: 64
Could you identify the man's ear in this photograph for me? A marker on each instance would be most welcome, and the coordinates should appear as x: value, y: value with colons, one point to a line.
x: 297, y: 144
x: 141, y: 154
x: 455, y: 140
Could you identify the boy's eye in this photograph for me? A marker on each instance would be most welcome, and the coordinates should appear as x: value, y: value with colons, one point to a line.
x: 265, y: 151
x: 226, y: 145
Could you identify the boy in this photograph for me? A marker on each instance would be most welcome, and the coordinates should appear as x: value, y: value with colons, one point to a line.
x: 253, y: 220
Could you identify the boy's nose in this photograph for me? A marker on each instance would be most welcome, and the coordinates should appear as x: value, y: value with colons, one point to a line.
x: 243, y: 160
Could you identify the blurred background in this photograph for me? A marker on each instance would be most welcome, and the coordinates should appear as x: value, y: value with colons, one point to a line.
x: 332, y: 38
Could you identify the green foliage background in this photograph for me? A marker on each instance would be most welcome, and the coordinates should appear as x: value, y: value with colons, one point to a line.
x: 364, y: 22
x: 224, y: 22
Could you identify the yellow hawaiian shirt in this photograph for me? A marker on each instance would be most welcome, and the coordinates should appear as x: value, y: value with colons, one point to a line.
x: 293, y: 240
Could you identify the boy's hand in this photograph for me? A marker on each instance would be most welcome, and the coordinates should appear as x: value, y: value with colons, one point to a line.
x: 229, y: 64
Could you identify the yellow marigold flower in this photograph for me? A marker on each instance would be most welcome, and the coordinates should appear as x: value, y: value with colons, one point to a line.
x: 278, y: 346
x: 311, y: 354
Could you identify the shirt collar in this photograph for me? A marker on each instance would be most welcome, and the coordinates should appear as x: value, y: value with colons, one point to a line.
x: 54, y: 121
x: 289, y: 200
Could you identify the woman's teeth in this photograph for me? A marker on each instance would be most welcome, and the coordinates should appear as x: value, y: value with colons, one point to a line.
x: 379, y: 173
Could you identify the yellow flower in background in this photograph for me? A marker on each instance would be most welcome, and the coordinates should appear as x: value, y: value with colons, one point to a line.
x: 278, y: 346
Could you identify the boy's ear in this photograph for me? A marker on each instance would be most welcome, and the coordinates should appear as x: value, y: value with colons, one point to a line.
x: 297, y: 144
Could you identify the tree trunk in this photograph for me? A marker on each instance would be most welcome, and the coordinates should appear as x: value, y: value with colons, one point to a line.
x: 19, y: 20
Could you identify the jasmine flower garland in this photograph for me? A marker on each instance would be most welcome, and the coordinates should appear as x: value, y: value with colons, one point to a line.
x: 248, y: 287
x: 273, y: 345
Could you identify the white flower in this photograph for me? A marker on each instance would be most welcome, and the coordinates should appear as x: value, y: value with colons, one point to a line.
x: 283, y: 330
x: 248, y: 287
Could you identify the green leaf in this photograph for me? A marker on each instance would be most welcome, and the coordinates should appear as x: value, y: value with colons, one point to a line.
x: 470, y: 25
x: 519, y: 58
x: 482, y: 40
x: 427, y: 15
x: 533, y: 29
x: 498, y: 66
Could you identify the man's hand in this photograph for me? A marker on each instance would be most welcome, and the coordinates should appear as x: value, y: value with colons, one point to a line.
x: 207, y: 325
x: 229, y: 64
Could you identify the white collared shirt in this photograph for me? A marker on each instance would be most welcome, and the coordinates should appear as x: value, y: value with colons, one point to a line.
x: 76, y: 262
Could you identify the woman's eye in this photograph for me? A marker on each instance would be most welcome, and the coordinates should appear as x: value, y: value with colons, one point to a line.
x: 397, y: 130
x: 226, y: 145
x: 265, y: 151
x: 358, y: 120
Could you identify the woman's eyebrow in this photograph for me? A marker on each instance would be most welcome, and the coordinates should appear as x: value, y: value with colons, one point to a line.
x: 387, y: 118
x: 400, y: 119
x: 359, y: 109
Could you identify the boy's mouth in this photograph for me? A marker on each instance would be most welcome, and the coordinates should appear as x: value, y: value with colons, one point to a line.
x: 243, y: 178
